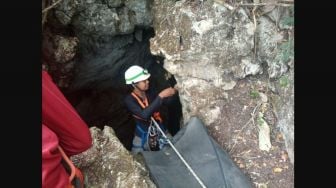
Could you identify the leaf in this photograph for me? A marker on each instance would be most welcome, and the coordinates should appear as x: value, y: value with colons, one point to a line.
x: 277, y: 170
x: 264, y: 134
x: 284, y: 81
x: 254, y: 94
x: 262, y: 185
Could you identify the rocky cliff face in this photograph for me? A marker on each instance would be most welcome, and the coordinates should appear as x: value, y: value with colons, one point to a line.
x: 235, y: 70
x: 209, y: 48
x: 233, y: 64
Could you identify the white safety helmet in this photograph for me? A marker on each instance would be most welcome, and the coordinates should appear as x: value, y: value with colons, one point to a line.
x: 136, y: 74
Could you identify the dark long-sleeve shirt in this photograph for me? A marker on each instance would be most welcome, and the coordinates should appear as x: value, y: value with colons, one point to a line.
x: 144, y: 113
x: 154, y: 104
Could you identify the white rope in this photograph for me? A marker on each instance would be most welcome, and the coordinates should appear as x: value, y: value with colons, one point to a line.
x: 179, y: 155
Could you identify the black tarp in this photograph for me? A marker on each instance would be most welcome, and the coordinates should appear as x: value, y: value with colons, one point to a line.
x: 208, y: 160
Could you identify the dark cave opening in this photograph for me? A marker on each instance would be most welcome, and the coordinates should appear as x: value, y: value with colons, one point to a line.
x: 98, y: 85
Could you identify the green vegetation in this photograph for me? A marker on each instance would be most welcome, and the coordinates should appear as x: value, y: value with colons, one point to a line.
x: 284, y: 81
x: 254, y: 94
x: 289, y: 20
x: 287, y: 50
x: 260, y: 121
x: 287, y: 47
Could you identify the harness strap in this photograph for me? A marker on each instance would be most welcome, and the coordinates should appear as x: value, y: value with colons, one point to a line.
x: 74, y: 172
x: 144, y: 134
x: 144, y: 104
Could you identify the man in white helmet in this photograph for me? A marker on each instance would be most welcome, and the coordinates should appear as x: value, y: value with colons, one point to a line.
x: 143, y: 106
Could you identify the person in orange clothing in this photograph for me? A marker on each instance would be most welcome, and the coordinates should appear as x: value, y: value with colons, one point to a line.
x: 64, y: 134
x: 143, y: 105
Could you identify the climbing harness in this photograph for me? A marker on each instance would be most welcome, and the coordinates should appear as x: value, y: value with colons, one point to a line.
x: 155, y: 140
x: 144, y: 104
x: 152, y: 137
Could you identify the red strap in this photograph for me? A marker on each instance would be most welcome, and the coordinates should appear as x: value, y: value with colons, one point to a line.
x: 75, y: 172
x: 157, y: 116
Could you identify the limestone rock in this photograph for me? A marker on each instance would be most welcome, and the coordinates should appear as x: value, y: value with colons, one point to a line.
x: 107, y: 164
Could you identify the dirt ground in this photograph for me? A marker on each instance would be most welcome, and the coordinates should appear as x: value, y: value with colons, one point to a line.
x: 238, y: 134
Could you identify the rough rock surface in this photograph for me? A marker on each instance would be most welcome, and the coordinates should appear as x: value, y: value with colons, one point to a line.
x: 107, y: 164
x: 226, y: 68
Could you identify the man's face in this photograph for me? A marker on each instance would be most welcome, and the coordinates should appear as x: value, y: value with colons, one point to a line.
x: 143, y: 85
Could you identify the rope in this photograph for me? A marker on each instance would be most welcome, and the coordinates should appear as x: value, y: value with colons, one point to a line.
x: 179, y: 155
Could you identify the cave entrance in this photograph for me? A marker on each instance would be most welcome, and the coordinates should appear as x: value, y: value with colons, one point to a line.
x: 98, y: 85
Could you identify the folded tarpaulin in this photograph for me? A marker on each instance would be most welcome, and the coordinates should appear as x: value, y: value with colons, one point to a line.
x: 208, y: 160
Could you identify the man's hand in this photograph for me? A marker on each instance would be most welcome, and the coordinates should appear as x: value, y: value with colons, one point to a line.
x: 167, y: 92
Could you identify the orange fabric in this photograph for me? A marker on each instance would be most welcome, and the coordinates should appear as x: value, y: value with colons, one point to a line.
x: 75, y: 172
x: 144, y: 104
x: 69, y: 162
x: 78, y: 175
